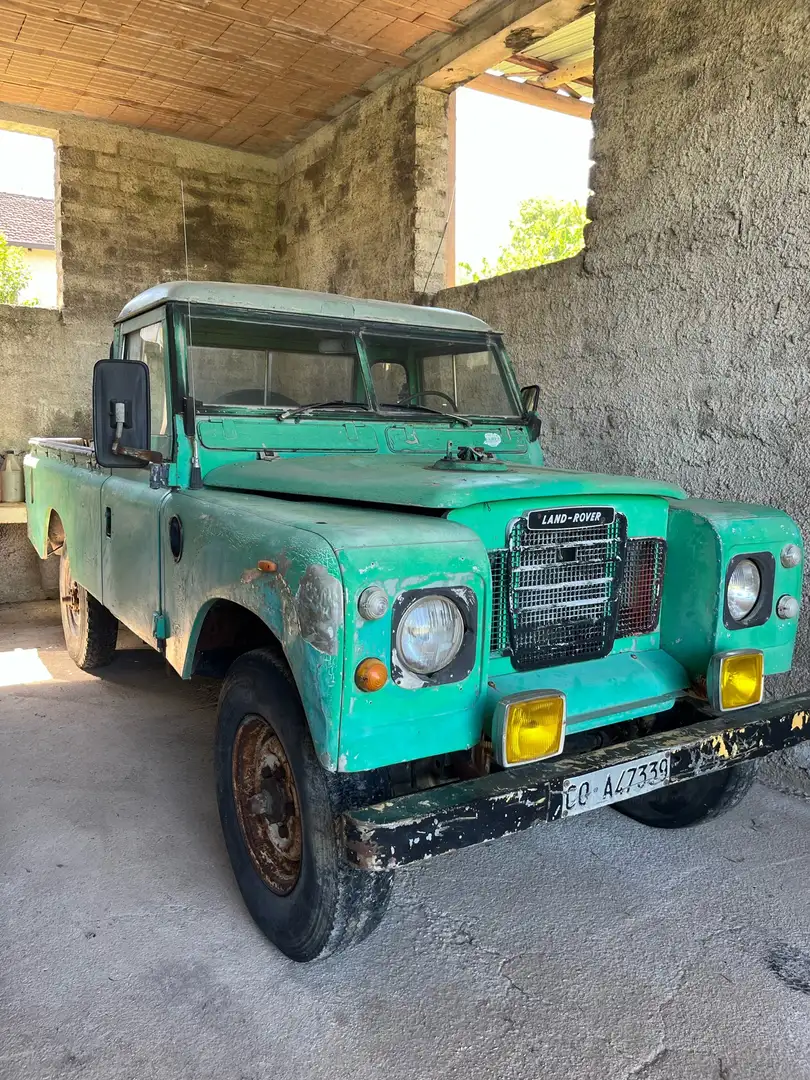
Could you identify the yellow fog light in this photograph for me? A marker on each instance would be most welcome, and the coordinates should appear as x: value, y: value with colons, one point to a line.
x: 527, y: 727
x: 736, y: 679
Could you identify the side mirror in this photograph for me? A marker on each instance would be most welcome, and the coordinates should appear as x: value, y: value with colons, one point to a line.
x: 530, y: 396
x: 122, y: 415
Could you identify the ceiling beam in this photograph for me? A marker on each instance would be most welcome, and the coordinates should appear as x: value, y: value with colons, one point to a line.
x: 530, y: 95
x: 567, y: 73
x: 489, y: 41
x: 531, y: 62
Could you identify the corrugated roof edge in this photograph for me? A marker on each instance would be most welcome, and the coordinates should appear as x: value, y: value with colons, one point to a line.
x: 299, y: 302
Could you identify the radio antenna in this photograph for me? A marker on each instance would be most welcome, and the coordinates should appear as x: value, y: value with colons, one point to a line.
x: 195, y: 479
x: 441, y: 238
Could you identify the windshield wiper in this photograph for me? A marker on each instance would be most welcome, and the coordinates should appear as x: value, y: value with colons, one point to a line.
x: 302, y: 410
x: 426, y: 408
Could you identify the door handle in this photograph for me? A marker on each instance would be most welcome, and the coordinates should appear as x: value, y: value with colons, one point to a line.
x: 108, y: 521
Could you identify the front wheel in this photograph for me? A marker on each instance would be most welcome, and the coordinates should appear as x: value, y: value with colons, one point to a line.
x: 91, y: 631
x: 693, y: 801
x: 280, y: 813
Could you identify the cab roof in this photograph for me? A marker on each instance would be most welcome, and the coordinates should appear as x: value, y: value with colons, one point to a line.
x: 300, y: 302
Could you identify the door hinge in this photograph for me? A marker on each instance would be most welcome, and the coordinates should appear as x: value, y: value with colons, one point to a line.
x: 159, y: 475
x: 160, y: 626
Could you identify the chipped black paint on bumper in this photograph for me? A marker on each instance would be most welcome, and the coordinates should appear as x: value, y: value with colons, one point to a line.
x: 428, y: 823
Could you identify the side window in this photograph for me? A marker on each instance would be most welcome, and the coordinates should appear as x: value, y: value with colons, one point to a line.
x: 147, y: 345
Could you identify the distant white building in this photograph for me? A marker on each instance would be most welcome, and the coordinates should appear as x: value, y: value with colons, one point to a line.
x: 28, y: 223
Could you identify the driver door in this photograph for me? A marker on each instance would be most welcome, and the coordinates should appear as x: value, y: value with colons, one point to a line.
x: 130, y: 531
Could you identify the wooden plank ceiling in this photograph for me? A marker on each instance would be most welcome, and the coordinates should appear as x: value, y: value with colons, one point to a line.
x: 545, y: 60
x: 562, y: 62
x: 254, y: 74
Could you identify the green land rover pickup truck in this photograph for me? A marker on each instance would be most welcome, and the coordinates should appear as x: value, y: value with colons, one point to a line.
x: 427, y: 639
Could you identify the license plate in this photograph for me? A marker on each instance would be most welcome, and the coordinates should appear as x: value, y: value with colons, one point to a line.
x: 616, y: 782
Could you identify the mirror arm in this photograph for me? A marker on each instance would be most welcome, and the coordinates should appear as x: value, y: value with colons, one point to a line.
x: 151, y: 457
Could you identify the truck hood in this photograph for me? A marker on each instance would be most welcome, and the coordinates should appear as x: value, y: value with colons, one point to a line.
x: 399, y: 481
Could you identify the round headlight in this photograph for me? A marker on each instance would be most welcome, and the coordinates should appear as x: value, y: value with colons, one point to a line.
x: 743, y: 589
x: 430, y: 634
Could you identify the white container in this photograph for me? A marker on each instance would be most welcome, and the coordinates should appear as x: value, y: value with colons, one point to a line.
x: 11, y: 479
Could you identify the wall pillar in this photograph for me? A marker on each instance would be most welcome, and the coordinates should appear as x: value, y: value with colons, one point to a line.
x: 362, y: 203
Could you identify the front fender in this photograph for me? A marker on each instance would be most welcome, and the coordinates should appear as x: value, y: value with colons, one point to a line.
x: 702, y: 537
x: 301, y: 601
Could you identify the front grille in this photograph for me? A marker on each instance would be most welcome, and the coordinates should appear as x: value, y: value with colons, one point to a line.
x: 499, y: 629
x: 642, y: 585
x: 564, y: 595
x: 563, y: 592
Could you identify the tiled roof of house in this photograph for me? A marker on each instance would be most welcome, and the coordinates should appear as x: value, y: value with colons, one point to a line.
x: 27, y: 221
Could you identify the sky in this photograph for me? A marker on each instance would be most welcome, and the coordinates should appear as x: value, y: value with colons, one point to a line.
x: 26, y: 164
x: 507, y: 152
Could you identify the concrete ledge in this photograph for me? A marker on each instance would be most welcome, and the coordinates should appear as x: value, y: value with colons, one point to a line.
x: 13, y: 513
x: 25, y: 576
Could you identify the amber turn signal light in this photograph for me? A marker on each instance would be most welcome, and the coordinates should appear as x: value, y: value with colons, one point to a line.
x: 371, y: 674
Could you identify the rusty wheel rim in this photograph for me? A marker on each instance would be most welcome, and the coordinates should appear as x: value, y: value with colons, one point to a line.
x: 71, y: 603
x: 267, y: 804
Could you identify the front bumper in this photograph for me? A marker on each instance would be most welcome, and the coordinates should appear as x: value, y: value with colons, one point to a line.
x: 467, y: 812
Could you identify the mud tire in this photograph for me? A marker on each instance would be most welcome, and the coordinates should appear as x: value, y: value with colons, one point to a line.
x: 693, y: 801
x: 332, y: 905
x: 91, y: 631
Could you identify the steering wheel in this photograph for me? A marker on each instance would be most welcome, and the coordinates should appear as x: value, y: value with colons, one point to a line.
x: 435, y: 393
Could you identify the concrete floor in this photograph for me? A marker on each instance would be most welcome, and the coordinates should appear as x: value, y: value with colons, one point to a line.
x: 595, y: 949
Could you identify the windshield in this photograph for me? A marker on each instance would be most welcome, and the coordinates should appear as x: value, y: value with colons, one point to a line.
x: 442, y: 375
x: 235, y: 363
x: 299, y: 370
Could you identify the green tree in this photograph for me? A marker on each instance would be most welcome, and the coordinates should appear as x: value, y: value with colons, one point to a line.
x: 14, y: 274
x: 546, y: 231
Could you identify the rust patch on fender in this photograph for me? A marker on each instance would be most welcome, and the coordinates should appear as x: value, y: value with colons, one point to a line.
x: 319, y: 603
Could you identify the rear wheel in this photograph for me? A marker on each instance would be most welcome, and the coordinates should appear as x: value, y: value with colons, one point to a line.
x: 280, y: 813
x: 693, y: 801
x: 91, y: 631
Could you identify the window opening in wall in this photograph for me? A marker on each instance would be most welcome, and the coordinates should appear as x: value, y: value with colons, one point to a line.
x: 521, y: 139
x: 27, y: 220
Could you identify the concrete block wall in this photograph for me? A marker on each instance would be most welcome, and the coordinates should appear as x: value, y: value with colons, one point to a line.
x: 362, y: 203
x: 119, y: 230
x: 359, y: 208
x: 677, y: 345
